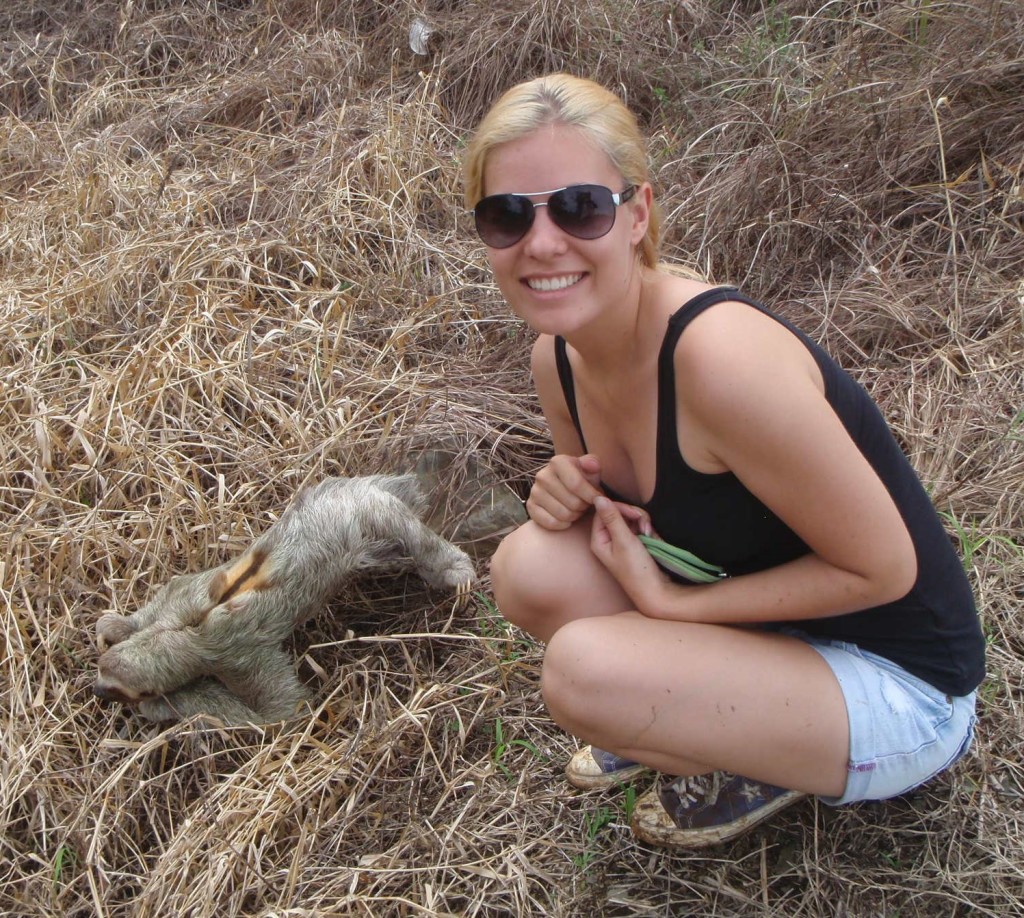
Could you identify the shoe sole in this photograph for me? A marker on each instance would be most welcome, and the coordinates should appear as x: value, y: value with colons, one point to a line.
x: 652, y: 824
x: 605, y: 780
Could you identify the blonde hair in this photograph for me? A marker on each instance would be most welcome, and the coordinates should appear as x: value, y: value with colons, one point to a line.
x: 563, y: 99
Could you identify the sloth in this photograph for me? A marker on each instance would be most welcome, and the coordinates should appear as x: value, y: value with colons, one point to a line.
x: 212, y: 643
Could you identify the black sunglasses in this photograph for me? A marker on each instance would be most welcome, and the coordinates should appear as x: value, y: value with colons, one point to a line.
x: 583, y: 211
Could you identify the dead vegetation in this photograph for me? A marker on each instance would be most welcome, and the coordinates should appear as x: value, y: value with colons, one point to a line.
x: 233, y: 259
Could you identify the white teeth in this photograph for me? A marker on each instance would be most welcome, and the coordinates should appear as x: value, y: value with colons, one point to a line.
x: 553, y: 283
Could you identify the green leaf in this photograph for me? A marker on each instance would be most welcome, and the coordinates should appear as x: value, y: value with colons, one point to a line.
x: 681, y: 561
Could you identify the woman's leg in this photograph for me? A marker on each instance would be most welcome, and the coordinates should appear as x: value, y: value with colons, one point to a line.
x: 543, y: 579
x: 690, y: 698
x: 679, y: 697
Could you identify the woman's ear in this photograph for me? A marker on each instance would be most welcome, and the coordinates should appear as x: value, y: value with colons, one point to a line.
x: 640, y: 208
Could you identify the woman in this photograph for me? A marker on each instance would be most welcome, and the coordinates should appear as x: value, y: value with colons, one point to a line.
x: 836, y: 650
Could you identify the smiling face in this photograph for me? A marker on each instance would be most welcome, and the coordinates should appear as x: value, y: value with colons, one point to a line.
x: 555, y: 282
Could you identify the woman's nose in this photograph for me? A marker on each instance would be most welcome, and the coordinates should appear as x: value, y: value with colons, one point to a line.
x: 544, y: 237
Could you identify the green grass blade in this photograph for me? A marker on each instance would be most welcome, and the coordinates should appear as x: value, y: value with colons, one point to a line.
x: 678, y: 566
x: 679, y: 554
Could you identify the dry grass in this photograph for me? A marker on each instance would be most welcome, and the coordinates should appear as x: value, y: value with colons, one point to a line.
x: 232, y: 259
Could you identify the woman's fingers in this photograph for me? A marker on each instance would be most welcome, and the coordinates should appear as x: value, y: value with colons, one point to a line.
x: 611, y: 520
x: 564, y: 490
x: 579, y: 476
x: 638, y: 518
x: 615, y: 544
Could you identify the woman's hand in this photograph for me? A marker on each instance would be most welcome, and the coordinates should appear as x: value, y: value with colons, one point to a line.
x: 564, y: 490
x: 614, y: 542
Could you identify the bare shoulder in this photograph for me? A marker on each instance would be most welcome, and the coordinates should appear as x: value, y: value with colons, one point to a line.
x: 544, y: 367
x: 549, y: 393
x: 733, y: 352
x: 542, y: 357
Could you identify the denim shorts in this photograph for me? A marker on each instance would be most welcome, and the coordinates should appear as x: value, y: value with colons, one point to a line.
x: 903, y: 731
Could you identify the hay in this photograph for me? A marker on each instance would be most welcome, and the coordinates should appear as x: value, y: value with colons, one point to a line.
x: 233, y: 259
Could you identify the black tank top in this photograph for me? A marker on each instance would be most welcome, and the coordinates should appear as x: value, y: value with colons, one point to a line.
x: 932, y: 632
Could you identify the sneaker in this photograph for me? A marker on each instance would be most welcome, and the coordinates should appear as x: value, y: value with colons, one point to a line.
x: 594, y: 769
x: 706, y: 809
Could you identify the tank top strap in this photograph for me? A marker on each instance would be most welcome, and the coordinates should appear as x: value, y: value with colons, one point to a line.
x: 568, y: 386
x: 668, y: 441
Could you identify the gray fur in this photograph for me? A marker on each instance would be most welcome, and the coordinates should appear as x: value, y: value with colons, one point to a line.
x: 211, y: 643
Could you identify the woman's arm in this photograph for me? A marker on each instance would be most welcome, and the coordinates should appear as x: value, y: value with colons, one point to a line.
x: 552, y: 400
x: 566, y: 487
x: 751, y: 394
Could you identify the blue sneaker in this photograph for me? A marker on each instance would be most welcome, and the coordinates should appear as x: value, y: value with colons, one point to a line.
x: 594, y: 769
x: 706, y: 809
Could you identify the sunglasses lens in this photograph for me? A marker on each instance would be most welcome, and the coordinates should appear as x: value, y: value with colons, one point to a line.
x: 503, y: 219
x: 583, y: 211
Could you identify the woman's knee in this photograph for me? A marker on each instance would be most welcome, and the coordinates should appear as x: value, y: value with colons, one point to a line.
x: 511, y: 580
x: 579, y: 663
x: 530, y: 573
x: 542, y: 579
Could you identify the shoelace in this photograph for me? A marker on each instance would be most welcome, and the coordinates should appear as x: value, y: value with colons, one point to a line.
x: 699, y: 788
